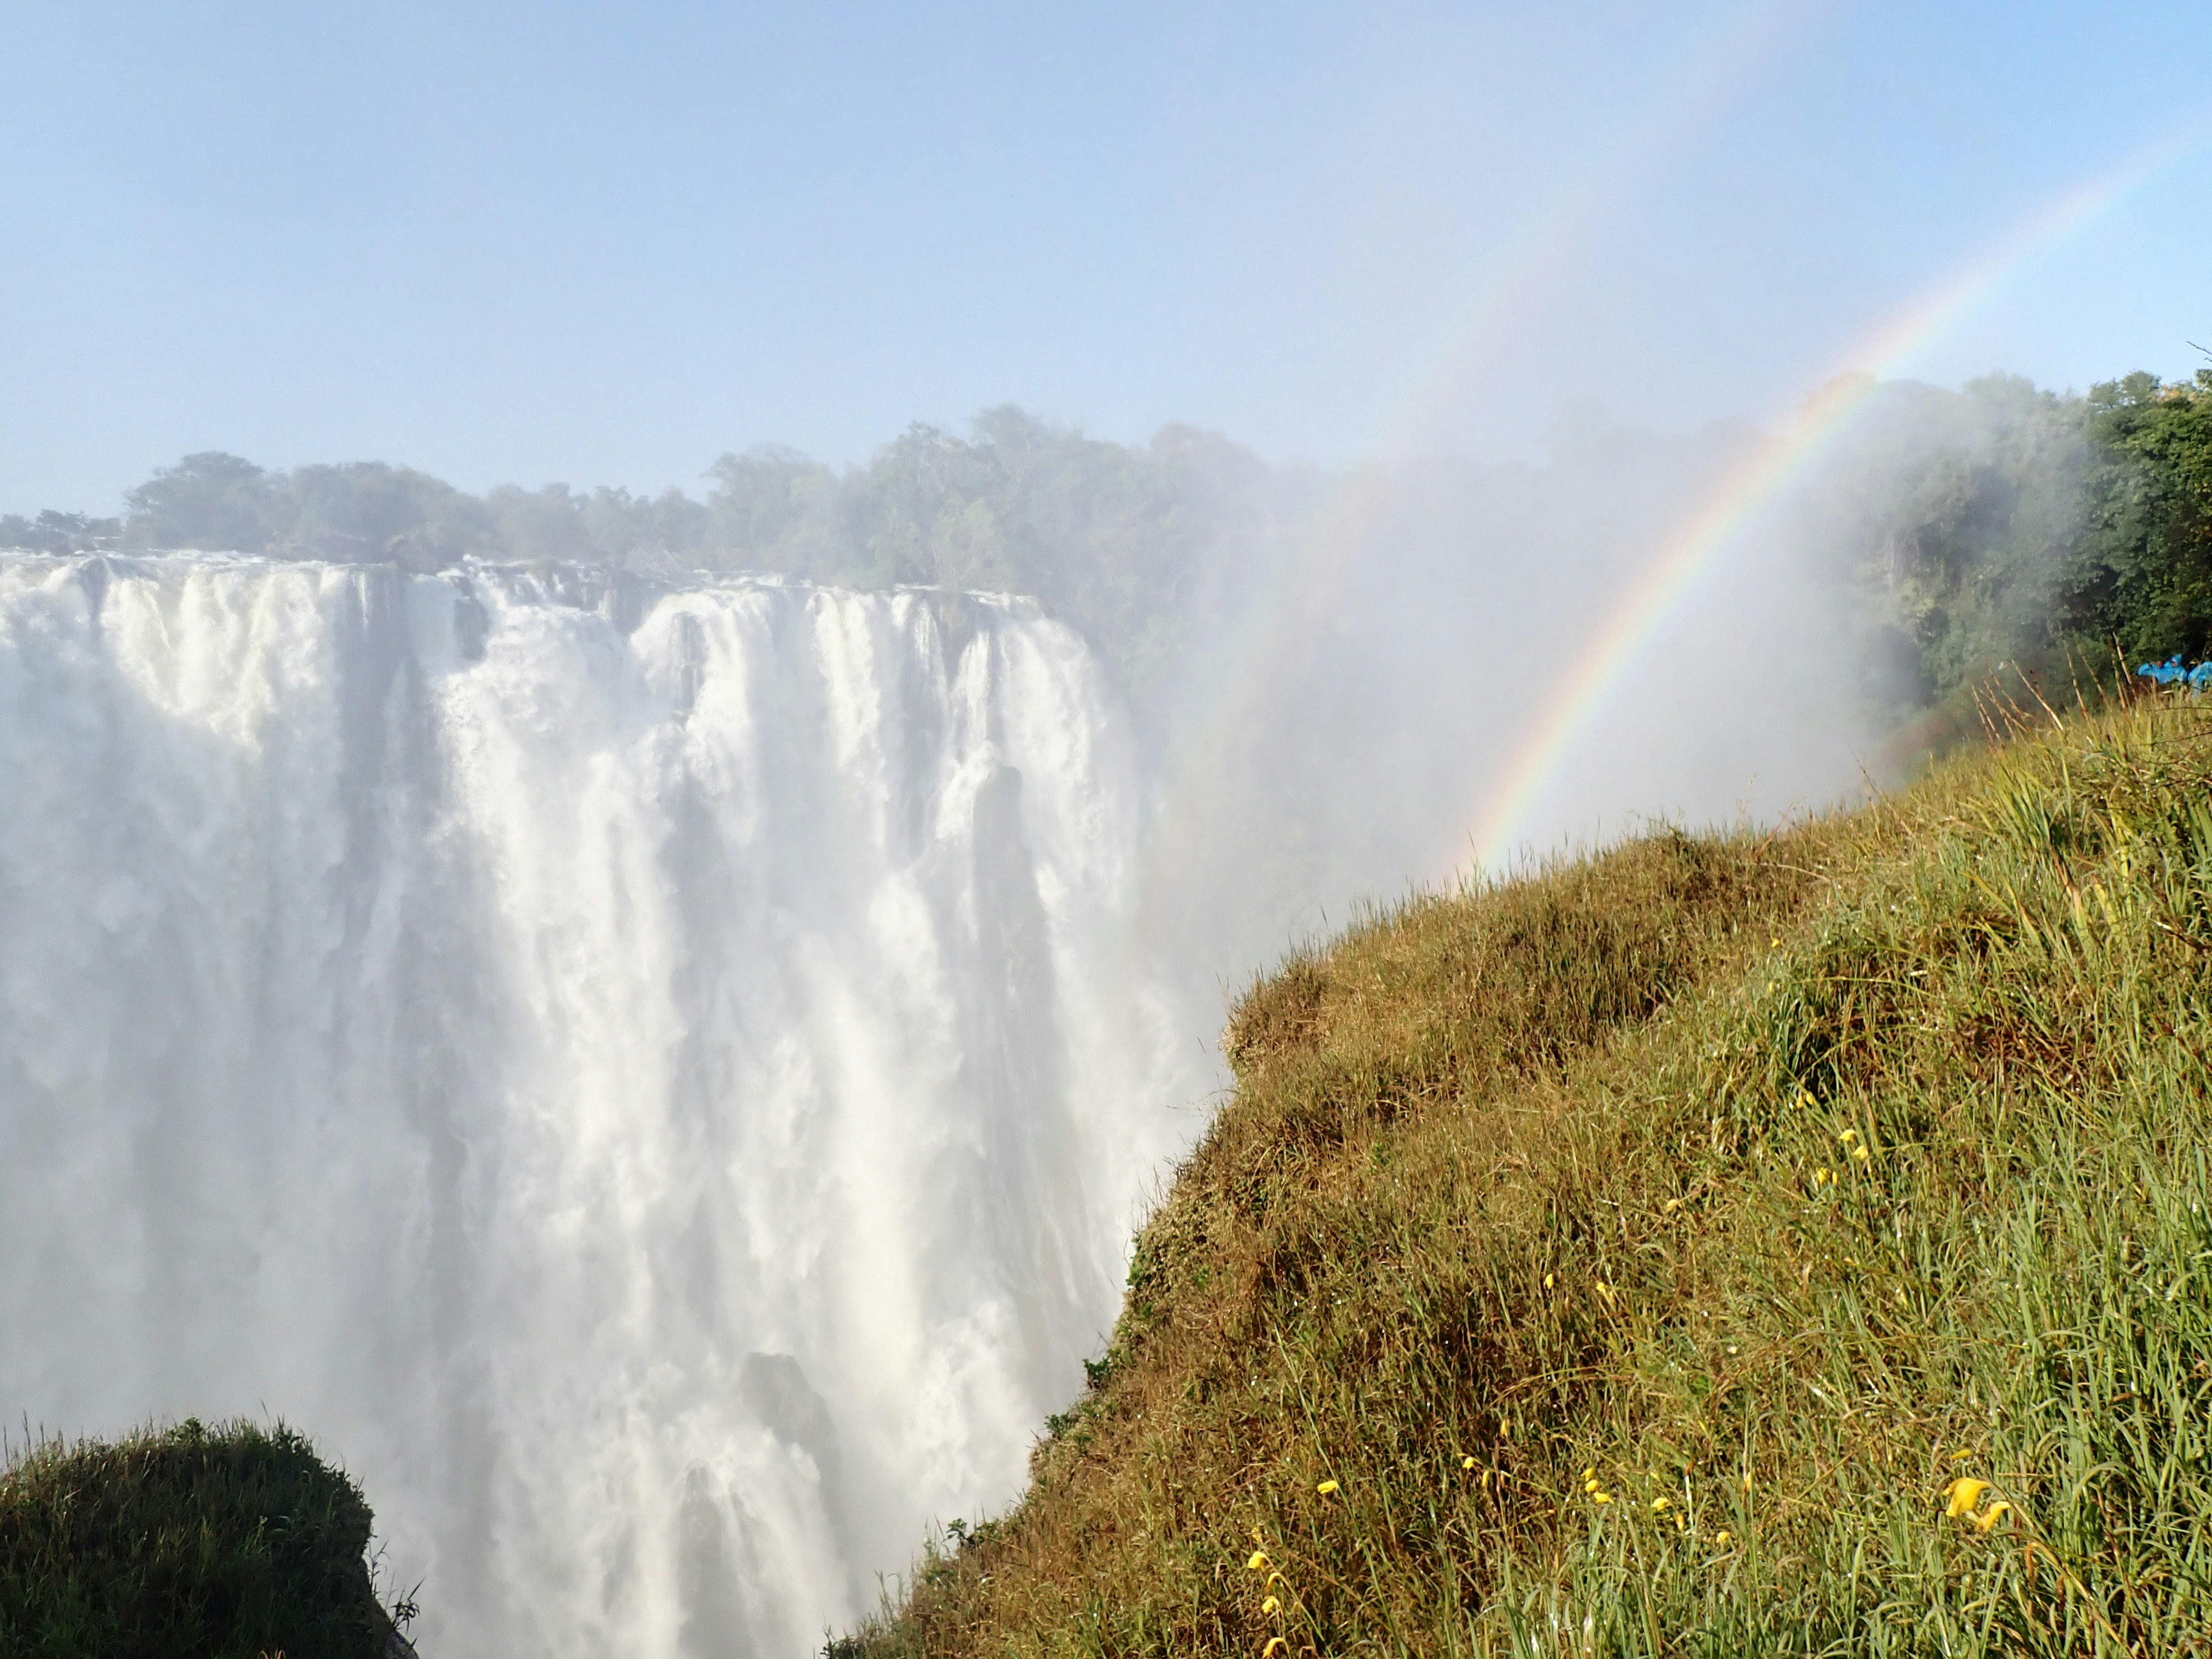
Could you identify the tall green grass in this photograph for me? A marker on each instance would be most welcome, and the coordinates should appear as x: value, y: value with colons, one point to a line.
x: 1785, y: 1245
x: 192, y: 1543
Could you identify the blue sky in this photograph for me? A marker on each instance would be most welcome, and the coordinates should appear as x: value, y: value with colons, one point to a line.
x: 606, y: 244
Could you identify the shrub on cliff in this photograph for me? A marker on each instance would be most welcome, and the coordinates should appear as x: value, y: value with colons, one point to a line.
x: 189, y: 1543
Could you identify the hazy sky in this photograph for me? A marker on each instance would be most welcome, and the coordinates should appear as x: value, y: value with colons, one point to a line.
x: 606, y: 243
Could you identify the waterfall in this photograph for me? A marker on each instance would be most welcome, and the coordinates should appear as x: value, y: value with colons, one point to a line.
x: 649, y: 1076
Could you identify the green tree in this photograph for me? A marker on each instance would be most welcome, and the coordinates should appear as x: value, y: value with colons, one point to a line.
x: 366, y: 512
x: 666, y: 530
x: 773, y: 508
x: 59, y: 532
x: 540, y: 524
x: 1963, y: 520
x: 2142, y: 576
x: 211, y: 500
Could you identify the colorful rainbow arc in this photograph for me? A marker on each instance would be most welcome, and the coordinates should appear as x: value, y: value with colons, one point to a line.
x: 1249, y: 660
x: 1701, y: 87
x: 1657, y: 592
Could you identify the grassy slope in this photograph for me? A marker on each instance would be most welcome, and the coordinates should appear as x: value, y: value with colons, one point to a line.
x: 1645, y: 1248
x: 190, y: 1544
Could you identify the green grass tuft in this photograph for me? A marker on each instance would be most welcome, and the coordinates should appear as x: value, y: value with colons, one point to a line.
x: 188, y: 1543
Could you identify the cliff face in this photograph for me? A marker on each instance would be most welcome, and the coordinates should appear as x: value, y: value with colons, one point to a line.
x: 1794, y: 1244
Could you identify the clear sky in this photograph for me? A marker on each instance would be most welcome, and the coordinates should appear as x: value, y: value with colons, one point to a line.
x: 605, y: 243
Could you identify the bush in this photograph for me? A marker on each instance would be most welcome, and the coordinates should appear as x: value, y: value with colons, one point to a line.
x: 190, y: 1543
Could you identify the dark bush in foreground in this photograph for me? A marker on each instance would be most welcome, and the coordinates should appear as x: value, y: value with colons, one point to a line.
x: 183, y: 1543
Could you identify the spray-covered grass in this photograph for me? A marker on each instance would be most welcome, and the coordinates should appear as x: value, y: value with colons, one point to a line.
x: 194, y: 1543
x: 1785, y: 1245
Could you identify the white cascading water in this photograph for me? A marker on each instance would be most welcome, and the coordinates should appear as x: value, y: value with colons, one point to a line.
x: 647, y: 1076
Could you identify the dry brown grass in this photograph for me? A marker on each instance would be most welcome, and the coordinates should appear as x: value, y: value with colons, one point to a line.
x: 1406, y: 1087
x: 1636, y: 1247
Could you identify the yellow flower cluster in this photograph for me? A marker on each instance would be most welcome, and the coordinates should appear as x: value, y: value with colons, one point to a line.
x: 1259, y: 1561
x: 1665, y: 1507
x: 1961, y: 1498
x: 1272, y: 1605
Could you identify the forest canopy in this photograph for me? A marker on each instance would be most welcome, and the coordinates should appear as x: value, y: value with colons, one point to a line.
x: 2004, y: 528
x: 1996, y: 528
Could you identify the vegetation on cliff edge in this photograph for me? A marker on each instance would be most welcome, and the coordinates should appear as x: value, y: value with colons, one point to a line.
x: 1769, y: 1243
x: 191, y: 1543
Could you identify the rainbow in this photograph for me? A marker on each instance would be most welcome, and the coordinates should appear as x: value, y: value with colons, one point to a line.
x: 1705, y: 85
x: 1652, y: 598
x: 1248, y: 663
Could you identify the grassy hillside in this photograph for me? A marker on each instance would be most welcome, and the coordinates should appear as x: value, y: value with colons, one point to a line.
x: 1793, y: 1243
x: 229, y: 1543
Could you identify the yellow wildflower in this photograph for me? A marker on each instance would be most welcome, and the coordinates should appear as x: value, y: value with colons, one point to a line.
x: 1964, y: 1492
x: 1590, y: 1474
x: 1989, y: 1516
x: 1589, y: 1486
x: 1273, y: 1643
x: 1258, y: 1560
x: 1270, y: 1605
x: 1547, y: 1281
x: 1603, y: 1498
x: 1325, y: 1487
x: 1722, y: 1537
x: 1659, y: 1504
x: 1466, y: 1462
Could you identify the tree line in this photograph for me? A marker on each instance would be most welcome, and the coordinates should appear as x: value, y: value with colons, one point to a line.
x: 2002, y: 531
x: 1995, y: 529
x: 1117, y: 539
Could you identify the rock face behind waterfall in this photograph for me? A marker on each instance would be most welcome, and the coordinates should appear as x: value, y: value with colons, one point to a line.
x: 648, y: 1075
